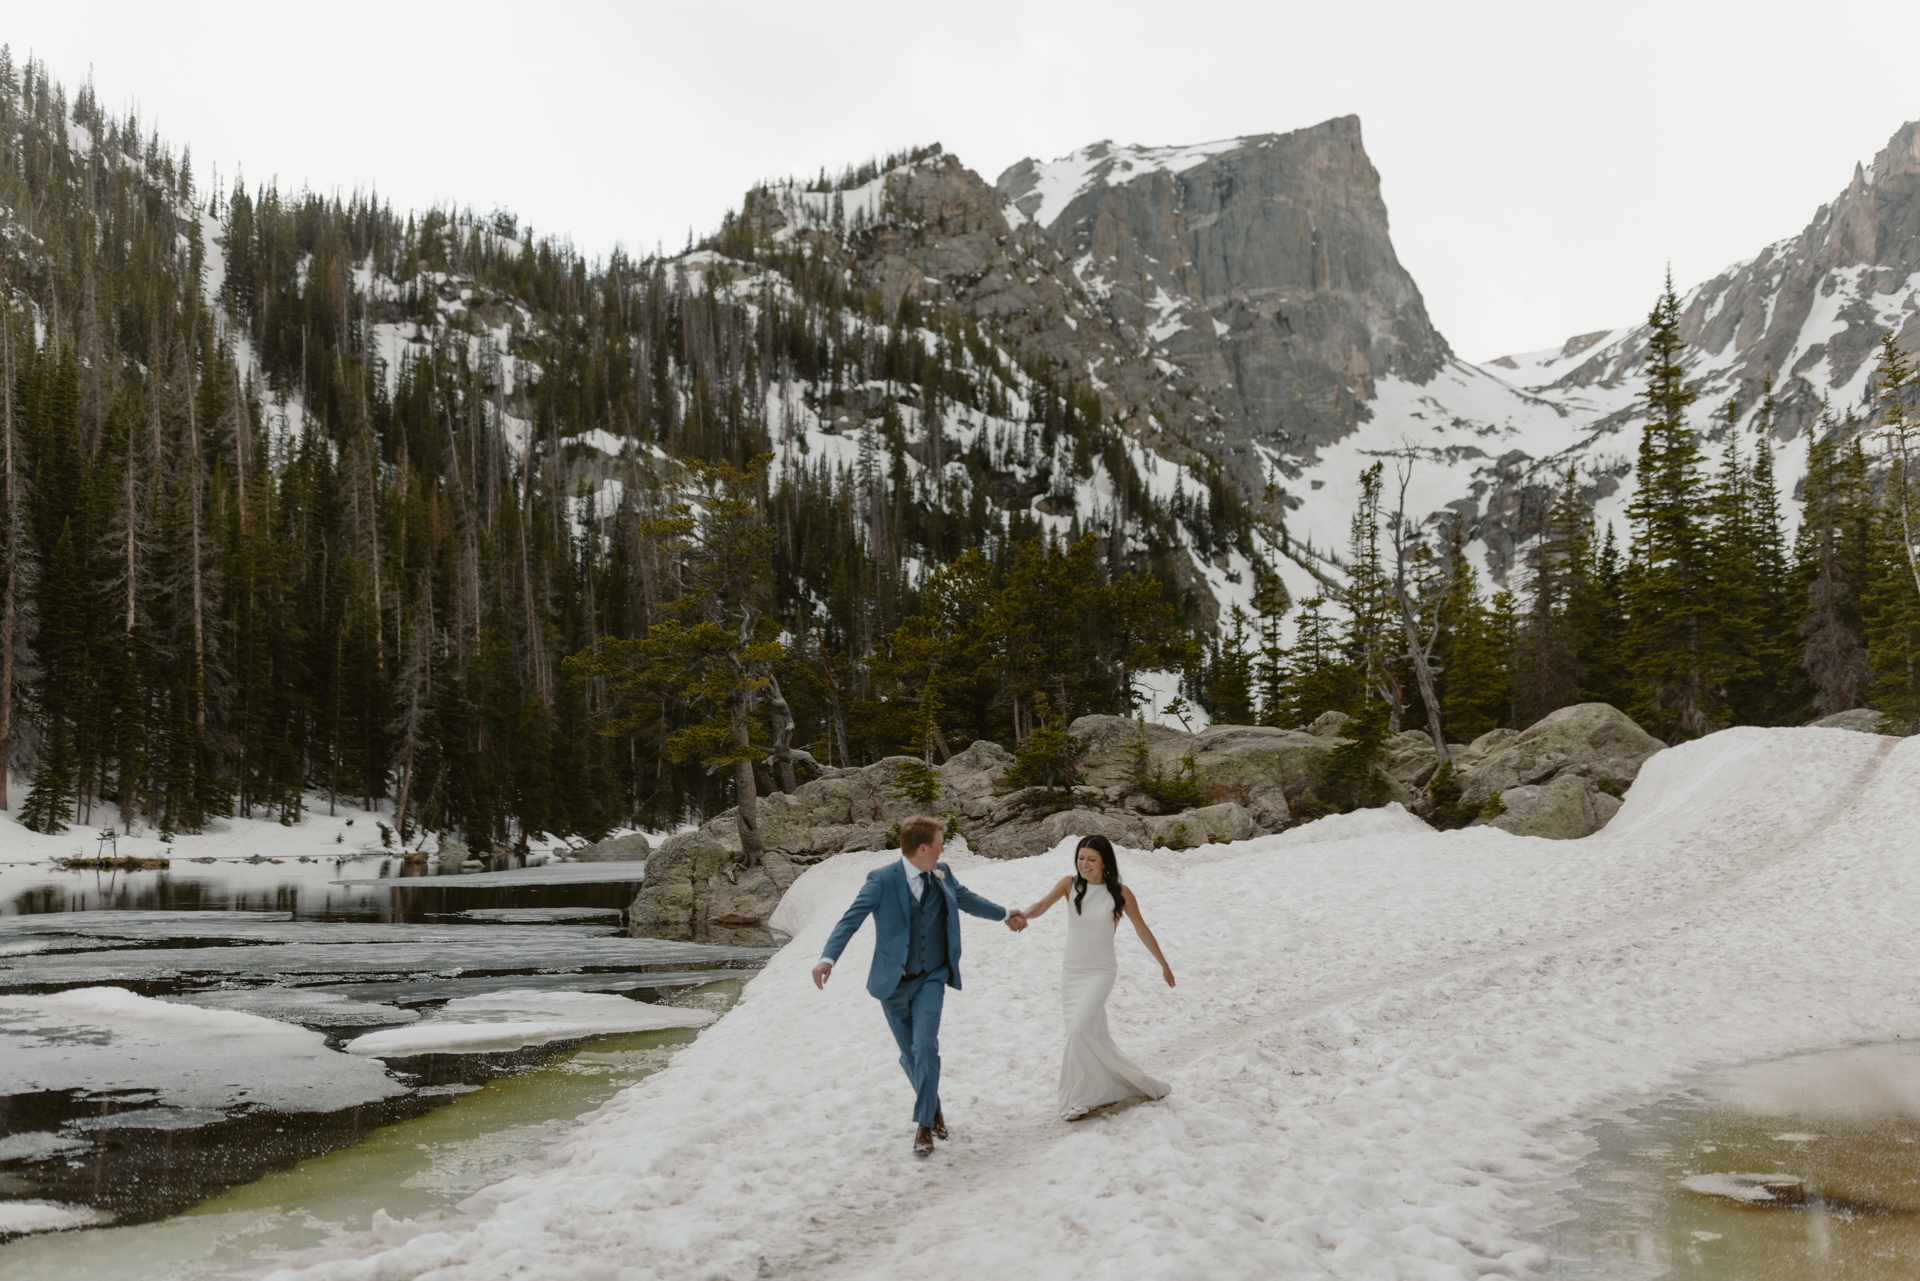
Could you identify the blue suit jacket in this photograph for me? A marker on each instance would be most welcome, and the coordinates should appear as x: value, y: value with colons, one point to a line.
x: 886, y: 897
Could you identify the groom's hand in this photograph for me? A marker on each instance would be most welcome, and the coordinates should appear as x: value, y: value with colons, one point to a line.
x: 1016, y: 920
x: 821, y: 973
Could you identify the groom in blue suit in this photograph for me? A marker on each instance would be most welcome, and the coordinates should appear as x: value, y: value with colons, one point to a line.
x: 915, y: 903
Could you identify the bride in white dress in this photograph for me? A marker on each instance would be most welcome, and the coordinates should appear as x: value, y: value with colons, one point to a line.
x: 1093, y: 1072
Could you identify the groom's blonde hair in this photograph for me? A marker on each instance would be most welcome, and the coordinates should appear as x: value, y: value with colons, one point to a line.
x: 917, y: 833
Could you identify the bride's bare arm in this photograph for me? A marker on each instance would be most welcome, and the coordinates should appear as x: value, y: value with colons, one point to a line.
x: 1054, y: 895
x: 1146, y: 935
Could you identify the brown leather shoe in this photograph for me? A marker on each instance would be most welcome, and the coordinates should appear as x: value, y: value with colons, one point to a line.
x: 923, y: 1141
x: 940, y: 1126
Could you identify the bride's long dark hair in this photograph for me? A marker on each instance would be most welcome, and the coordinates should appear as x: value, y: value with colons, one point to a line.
x: 1110, y: 870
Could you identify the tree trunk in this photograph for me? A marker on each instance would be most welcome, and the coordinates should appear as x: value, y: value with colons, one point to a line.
x: 782, y: 717
x: 199, y: 588
x: 746, y: 812
x: 10, y: 607
x: 1423, y: 675
x: 833, y: 703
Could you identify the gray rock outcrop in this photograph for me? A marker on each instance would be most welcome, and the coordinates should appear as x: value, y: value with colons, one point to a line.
x: 1861, y: 720
x: 1262, y: 268
x: 1245, y: 781
x: 1589, y: 741
x: 616, y: 849
x: 1562, y: 810
x: 1557, y: 779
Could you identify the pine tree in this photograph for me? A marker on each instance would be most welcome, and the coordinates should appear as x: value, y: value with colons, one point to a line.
x: 1892, y: 598
x: 1600, y: 625
x: 1371, y: 625
x: 1473, y: 685
x: 1772, y: 694
x: 1271, y: 603
x: 1319, y: 677
x: 1228, y: 694
x: 1548, y: 672
x: 1673, y: 654
x: 1832, y: 559
x: 1734, y: 585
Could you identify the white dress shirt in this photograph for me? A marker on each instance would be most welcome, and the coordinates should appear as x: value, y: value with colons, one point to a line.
x: 913, y: 886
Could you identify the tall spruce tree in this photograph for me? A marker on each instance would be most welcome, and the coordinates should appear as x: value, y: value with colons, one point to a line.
x: 1676, y: 657
x: 1773, y: 691
x: 1833, y: 556
x: 1892, y: 598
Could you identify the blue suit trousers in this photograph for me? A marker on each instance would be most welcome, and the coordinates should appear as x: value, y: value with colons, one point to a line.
x: 913, y: 1012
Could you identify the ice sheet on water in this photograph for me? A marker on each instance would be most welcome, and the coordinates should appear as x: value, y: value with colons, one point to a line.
x: 427, y: 990
x: 89, y: 922
x: 540, y: 948
x: 40, y: 944
x: 315, y: 1007
x: 1754, y: 1189
x: 47, y: 1216
x: 277, y: 928
x: 151, y: 1119
x: 37, y: 1145
x: 536, y: 915
x: 551, y: 874
x: 105, y: 1039
x: 511, y: 1020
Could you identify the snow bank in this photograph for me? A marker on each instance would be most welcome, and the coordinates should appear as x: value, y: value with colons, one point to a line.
x: 197, y: 1061
x: 1384, y: 1039
x: 510, y: 1020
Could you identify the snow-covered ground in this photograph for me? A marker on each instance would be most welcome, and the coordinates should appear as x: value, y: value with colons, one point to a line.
x: 1382, y: 1047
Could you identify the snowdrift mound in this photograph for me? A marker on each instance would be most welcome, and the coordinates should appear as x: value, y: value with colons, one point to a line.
x: 1380, y: 1044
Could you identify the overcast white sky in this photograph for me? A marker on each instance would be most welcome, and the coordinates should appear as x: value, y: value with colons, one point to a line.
x: 1542, y: 163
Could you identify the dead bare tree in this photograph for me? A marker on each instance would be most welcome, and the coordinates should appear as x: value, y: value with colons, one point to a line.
x: 1419, y: 608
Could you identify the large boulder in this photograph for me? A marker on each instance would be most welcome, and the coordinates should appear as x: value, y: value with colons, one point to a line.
x: 616, y: 849
x: 1861, y: 720
x: 1410, y: 758
x: 696, y: 890
x: 1208, y: 825
x: 1562, y: 810
x: 1024, y: 838
x: 1263, y: 769
x: 1591, y: 741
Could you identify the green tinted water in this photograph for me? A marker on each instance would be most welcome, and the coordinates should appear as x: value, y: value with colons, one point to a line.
x: 1806, y: 1170
x: 428, y: 1164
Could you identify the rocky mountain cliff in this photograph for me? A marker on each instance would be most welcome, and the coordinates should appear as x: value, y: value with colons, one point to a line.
x: 1261, y: 266
x: 1805, y: 312
x: 1239, y: 305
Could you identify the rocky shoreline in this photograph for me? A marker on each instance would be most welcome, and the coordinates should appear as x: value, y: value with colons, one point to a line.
x: 1144, y: 787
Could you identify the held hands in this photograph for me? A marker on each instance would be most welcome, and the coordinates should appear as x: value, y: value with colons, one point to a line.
x: 823, y: 971
x: 1016, y: 920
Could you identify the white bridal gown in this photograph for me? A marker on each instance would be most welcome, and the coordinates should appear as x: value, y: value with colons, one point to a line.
x: 1093, y: 1071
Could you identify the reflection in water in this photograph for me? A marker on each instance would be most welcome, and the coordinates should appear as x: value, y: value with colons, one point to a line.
x: 423, y: 1166
x: 1802, y: 1170
x: 302, y: 887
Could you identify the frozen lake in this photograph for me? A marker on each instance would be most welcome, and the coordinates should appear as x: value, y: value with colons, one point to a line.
x: 169, y: 1034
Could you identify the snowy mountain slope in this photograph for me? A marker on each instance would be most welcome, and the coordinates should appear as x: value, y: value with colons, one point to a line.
x: 1260, y: 271
x: 1384, y: 1043
x: 1805, y: 312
